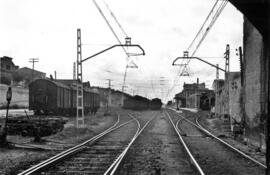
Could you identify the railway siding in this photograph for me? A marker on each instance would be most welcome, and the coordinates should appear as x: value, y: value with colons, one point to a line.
x: 213, y: 157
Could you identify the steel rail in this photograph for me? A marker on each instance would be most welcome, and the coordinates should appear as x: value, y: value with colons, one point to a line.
x: 115, y: 168
x: 119, y: 157
x: 72, y: 150
x: 185, y: 146
x: 122, y: 155
x: 230, y: 146
x: 220, y: 140
x: 180, y: 129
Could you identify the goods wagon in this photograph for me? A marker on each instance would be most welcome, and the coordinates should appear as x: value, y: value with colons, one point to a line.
x: 155, y: 104
x: 48, y: 96
x: 136, y: 103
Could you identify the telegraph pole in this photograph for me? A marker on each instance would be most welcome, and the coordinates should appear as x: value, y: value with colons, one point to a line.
x: 33, y: 61
x: 227, y: 58
x: 216, y: 90
x: 217, y: 72
x: 109, y: 95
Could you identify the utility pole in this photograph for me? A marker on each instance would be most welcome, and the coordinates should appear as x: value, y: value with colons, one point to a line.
x: 74, y: 74
x: 227, y: 85
x: 80, y: 107
x: 80, y: 111
x: 217, y: 72
x: 216, y: 91
x: 109, y: 95
x: 241, y: 65
x: 227, y: 58
x: 55, y: 74
x: 196, y: 93
x: 33, y: 61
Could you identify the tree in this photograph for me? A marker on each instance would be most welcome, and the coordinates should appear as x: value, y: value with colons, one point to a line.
x: 17, y: 77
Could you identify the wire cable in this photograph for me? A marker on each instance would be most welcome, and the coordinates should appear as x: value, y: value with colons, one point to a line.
x: 114, y: 17
x: 109, y: 25
x: 214, y: 18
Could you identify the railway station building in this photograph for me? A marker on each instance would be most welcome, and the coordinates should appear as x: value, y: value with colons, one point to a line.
x: 195, y: 95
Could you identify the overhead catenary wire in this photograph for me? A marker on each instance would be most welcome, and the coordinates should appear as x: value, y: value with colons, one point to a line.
x: 114, y: 33
x: 109, y: 25
x: 114, y: 17
x: 204, y: 31
x: 125, y: 33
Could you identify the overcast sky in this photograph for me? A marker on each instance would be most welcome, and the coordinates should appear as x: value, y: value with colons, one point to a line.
x: 47, y: 29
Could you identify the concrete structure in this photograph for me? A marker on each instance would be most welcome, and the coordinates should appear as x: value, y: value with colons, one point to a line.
x: 235, y: 97
x: 220, y: 96
x: 228, y: 104
x: 20, y: 97
x: 255, y: 71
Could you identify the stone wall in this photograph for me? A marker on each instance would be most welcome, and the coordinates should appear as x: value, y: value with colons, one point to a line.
x: 19, y: 97
x: 254, y: 92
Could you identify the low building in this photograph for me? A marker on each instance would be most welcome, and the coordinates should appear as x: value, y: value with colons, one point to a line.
x: 111, y: 97
x: 27, y: 75
x: 7, y: 69
x: 195, y: 95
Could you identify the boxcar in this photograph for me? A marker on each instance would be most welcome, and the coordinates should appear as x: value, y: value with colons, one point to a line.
x: 48, y: 96
x: 155, y: 104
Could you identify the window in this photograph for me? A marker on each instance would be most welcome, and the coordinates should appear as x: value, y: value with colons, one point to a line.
x: 8, y: 67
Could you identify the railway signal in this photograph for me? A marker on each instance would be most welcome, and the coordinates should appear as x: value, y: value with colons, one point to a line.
x: 3, y: 137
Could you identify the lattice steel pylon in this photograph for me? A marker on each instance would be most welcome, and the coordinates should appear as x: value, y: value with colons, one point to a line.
x: 80, y: 108
x: 227, y: 58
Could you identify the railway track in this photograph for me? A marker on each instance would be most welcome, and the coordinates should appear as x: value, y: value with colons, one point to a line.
x: 113, y: 168
x: 192, y: 158
x: 91, y: 156
x: 214, y: 155
x: 157, y: 151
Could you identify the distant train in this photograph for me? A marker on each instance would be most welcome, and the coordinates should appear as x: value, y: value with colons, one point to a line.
x: 155, y: 104
x: 52, y: 97
x: 141, y: 103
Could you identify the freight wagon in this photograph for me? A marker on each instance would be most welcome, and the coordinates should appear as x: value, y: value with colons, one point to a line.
x: 142, y: 103
x: 52, y: 97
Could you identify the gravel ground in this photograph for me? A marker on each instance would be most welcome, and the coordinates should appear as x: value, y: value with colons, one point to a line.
x: 98, y: 156
x: 156, y: 150
x: 12, y: 160
x: 213, y: 157
x: 215, y: 125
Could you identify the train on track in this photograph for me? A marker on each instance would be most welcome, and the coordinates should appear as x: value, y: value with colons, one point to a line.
x: 53, y: 97
x: 141, y: 103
